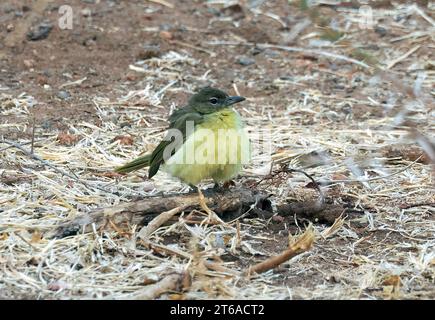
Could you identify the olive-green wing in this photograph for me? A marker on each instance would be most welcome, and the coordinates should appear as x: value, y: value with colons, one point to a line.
x: 177, y: 121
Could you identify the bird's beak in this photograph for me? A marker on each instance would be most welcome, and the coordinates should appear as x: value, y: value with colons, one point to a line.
x: 234, y: 99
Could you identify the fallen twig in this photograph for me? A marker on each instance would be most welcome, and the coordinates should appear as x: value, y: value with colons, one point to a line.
x: 158, y: 221
x: 303, y: 244
x: 402, y: 57
x: 187, y: 45
x: 294, y: 49
x: 169, y: 283
x: 328, y: 182
x: 73, y: 83
x: 163, y: 3
x: 228, y: 204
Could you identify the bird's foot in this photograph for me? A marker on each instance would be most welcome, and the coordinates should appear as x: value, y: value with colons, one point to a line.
x: 212, y: 216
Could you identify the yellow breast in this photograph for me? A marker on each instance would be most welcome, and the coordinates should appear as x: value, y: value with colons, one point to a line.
x: 217, y: 149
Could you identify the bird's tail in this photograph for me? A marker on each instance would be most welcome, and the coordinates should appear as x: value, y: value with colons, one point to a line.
x: 136, y: 164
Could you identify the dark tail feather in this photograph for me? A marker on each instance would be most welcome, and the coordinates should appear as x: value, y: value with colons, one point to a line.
x: 136, y: 164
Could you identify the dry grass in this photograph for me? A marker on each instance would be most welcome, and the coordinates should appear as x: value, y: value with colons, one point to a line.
x: 386, y: 252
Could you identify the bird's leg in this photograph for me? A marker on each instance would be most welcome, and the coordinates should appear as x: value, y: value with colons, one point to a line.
x: 204, y: 205
x: 211, y: 215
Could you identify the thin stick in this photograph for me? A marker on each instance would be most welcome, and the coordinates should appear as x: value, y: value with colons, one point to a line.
x: 294, y: 49
x: 23, y: 144
x: 163, y: 3
x: 424, y: 15
x: 169, y: 283
x: 148, y: 230
x: 327, y: 182
x: 403, y: 57
x: 220, y: 268
x: 421, y: 204
x: 303, y: 244
x: 168, y: 250
x: 33, y: 135
x: 187, y: 45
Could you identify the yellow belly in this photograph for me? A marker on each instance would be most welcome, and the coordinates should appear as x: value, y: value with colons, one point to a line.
x: 217, y: 149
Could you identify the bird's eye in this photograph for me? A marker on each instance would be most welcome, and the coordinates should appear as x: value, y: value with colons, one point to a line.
x: 213, y: 100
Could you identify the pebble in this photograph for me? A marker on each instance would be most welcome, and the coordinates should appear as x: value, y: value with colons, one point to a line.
x: 63, y: 95
x: 46, y: 124
x: 29, y: 63
x: 271, y: 53
x: 86, y: 12
x: 381, y: 31
x: 39, y: 32
x: 245, y: 61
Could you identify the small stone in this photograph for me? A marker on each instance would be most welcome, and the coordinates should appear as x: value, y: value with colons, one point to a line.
x: 90, y: 41
x: 63, y: 95
x: 46, y: 125
x: 381, y: 31
x: 271, y: 53
x: 10, y: 27
x: 125, y: 124
x: 254, y: 51
x: 245, y: 61
x: 86, y: 12
x: 165, y: 27
x: 29, y: 63
x: 39, y: 32
x: 213, y: 11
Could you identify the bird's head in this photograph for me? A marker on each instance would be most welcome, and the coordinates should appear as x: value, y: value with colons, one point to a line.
x: 209, y: 100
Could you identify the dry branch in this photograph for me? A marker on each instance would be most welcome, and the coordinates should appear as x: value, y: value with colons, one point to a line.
x: 303, y: 244
x: 228, y: 204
